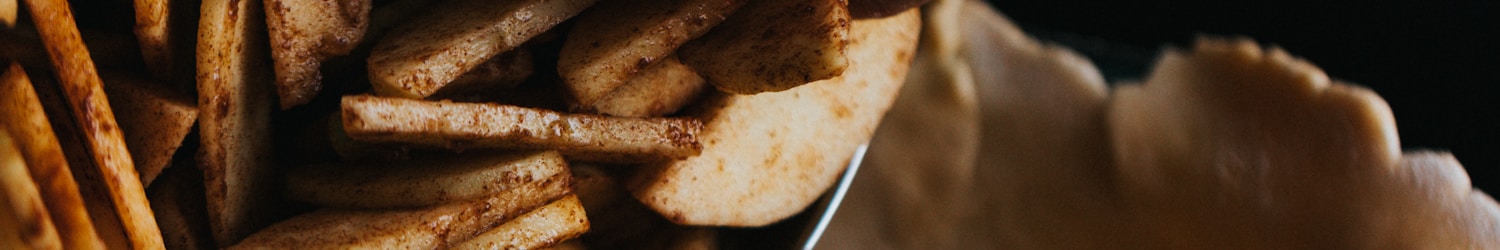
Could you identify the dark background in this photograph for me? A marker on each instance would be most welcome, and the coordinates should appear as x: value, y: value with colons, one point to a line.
x: 1436, y: 62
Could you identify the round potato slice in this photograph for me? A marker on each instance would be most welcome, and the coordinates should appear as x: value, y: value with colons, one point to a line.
x: 767, y: 156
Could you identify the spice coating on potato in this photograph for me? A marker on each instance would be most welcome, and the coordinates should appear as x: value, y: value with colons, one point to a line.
x: 774, y: 45
x: 421, y: 57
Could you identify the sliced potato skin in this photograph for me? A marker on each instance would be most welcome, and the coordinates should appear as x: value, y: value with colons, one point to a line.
x: 95, y: 119
x: 236, y: 98
x: 773, y: 45
x: 421, y: 57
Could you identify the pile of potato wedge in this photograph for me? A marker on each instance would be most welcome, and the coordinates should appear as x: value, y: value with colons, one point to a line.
x: 476, y: 124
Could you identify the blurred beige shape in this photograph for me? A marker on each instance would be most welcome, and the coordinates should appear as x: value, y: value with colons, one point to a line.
x: 1226, y: 145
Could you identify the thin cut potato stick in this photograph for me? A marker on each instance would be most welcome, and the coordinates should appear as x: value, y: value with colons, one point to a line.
x: 486, y: 125
x: 422, y: 56
x: 613, y: 42
x: 660, y: 89
x: 545, y: 226
x: 95, y: 118
x: 24, y: 223
x: 420, y: 182
x: 26, y: 119
x: 426, y: 228
x: 96, y: 195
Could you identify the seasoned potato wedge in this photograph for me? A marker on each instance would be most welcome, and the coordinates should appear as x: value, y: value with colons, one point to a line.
x: 95, y: 119
x: 236, y: 99
x: 22, y: 115
x: 421, y: 182
x: 770, y: 155
x: 304, y: 33
x: 422, y: 56
x: 545, y: 226
x: 155, y: 118
x: 773, y: 45
x: 610, y: 44
x: 423, y: 228
x: 480, y: 125
x: 658, y: 90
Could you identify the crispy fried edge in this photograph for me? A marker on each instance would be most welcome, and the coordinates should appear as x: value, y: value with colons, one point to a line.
x: 542, y: 227
x: 298, y: 54
x: 452, y: 125
x: 20, y: 202
x: 394, y: 185
x: 152, y: 23
x: 156, y: 120
x: 468, y: 219
x: 90, y: 106
x: 235, y: 98
x: 27, y: 120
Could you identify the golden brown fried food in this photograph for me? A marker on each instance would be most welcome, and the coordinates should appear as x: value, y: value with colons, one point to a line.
x: 235, y: 97
x: 617, y: 220
x: 24, y: 222
x: 424, y: 228
x: 423, y: 56
x: 155, y: 119
x: 496, y: 74
x: 8, y: 9
x: 95, y: 119
x: 770, y: 155
x: 96, y: 195
x: 481, y: 125
x: 152, y: 29
x: 177, y: 198
x: 661, y: 89
x: 773, y: 45
x: 545, y: 226
x: 22, y: 115
x: 304, y: 33
x: 610, y: 44
x: 108, y: 49
x: 421, y: 182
